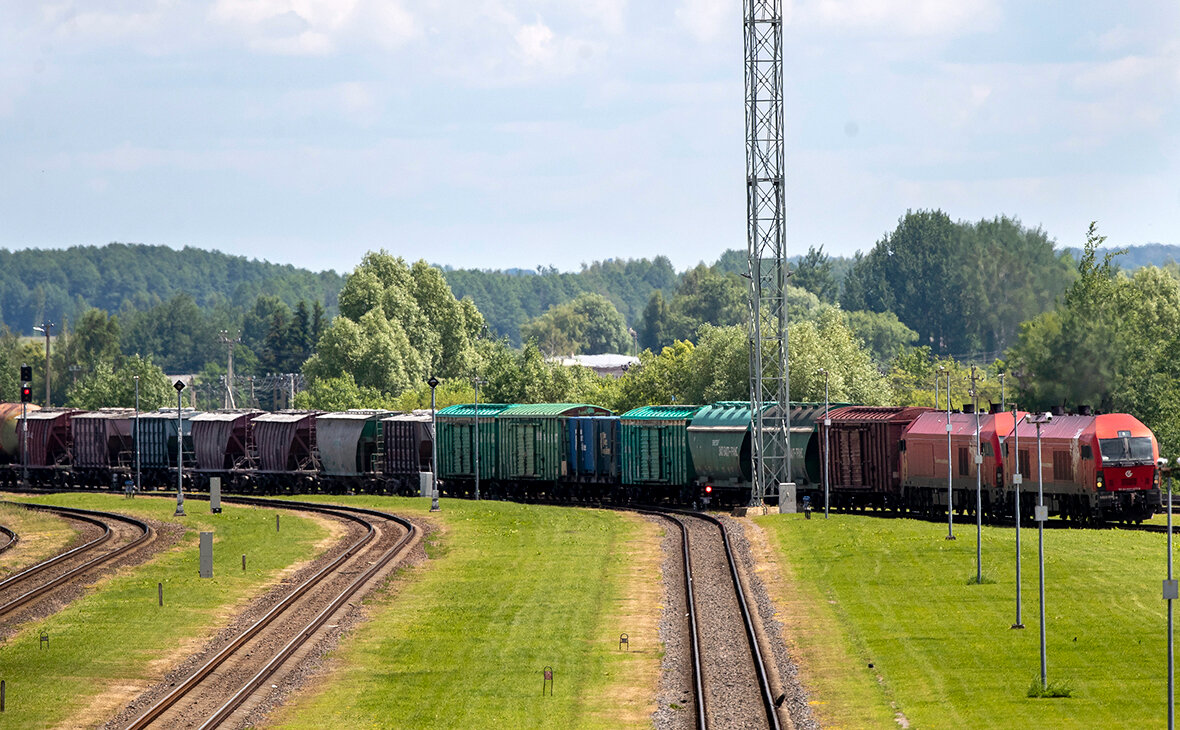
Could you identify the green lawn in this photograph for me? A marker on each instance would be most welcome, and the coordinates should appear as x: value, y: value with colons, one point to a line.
x: 110, y: 644
x: 40, y: 535
x: 508, y: 590
x: 896, y: 594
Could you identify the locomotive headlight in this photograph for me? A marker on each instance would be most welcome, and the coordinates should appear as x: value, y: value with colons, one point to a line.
x: 1098, y: 481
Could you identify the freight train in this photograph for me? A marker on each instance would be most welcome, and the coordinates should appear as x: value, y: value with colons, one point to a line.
x: 1094, y: 467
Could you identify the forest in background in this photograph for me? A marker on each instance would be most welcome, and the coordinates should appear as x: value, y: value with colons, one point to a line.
x: 931, y: 293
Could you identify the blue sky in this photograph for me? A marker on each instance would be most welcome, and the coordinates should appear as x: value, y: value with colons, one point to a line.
x: 497, y: 133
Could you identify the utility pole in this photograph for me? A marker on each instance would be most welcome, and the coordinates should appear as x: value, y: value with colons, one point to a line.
x: 767, y: 273
x: 478, y: 382
x: 224, y: 338
x: 45, y: 328
x: 975, y: 377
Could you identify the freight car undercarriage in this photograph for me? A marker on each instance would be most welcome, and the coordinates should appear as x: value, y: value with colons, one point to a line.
x: 1117, y: 506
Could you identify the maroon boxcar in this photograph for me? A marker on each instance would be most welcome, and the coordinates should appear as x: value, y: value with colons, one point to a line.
x: 408, y: 450
x: 223, y: 447
x: 103, y: 445
x: 287, y: 449
x: 864, y: 454
x: 50, y: 445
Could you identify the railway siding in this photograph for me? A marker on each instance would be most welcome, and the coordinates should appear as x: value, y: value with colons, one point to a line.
x: 42, y: 535
x: 98, y: 657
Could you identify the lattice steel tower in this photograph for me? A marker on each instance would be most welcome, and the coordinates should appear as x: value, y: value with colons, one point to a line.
x: 770, y: 393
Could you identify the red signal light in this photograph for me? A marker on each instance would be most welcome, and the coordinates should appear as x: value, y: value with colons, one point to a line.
x: 708, y: 489
x: 26, y: 394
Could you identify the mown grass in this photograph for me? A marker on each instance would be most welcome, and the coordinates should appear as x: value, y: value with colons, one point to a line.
x: 509, y: 590
x: 897, y: 595
x: 113, y: 642
x: 40, y: 535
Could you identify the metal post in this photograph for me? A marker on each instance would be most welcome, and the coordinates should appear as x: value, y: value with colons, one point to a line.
x: 1169, y: 593
x: 950, y: 492
x: 46, y: 327
x: 978, y: 484
x: 138, y: 486
x: 1017, y: 479
x: 1041, y: 553
x: 24, y: 452
x: 179, y: 453
x: 827, y: 427
x: 477, y: 383
x: 1003, y: 402
x: 433, y: 383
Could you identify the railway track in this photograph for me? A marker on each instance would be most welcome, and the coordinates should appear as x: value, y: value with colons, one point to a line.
x: 730, y: 680
x: 236, y: 677
x: 32, y: 583
x: 7, y: 532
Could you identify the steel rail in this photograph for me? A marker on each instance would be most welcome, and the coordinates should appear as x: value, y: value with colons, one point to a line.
x: 227, y: 709
x: 694, y: 630
x: 91, y: 516
x: 12, y: 537
x: 184, y: 687
x: 747, y: 619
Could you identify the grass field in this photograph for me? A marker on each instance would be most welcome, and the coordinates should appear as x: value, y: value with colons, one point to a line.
x: 895, y: 594
x: 509, y: 589
x: 41, y: 535
x: 109, y: 645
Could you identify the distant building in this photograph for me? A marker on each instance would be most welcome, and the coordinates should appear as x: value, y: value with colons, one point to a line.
x: 607, y: 364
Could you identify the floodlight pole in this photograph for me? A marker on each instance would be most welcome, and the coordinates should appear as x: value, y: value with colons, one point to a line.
x: 138, y: 486
x: 1017, y: 479
x: 950, y: 492
x: 478, y: 381
x: 978, y: 483
x: 433, y: 383
x: 1170, y: 593
x: 45, y: 328
x: 1042, y: 514
x: 827, y: 426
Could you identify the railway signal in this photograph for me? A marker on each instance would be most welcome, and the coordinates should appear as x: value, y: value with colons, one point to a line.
x: 26, y: 394
x: 26, y: 373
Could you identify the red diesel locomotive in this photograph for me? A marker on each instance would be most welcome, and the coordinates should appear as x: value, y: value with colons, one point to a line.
x: 1094, y: 467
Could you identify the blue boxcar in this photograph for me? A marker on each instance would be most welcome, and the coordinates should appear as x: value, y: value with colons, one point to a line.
x: 593, y: 443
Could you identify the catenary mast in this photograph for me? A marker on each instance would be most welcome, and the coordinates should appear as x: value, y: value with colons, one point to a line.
x: 767, y: 274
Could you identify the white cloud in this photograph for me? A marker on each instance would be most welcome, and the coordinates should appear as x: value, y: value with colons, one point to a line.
x: 904, y: 17
x: 313, y: 27
x: 707, y: 19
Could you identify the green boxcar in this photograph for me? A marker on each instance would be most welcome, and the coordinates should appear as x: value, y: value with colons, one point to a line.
x: 719, y: 438
x: 456, y: 441
x: 532, y: 438
x: 655, y: 445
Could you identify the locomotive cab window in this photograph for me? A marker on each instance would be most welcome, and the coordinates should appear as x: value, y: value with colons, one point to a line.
x: 1087, y: 452
x: 986, y: 448
x: 1125, y: 448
